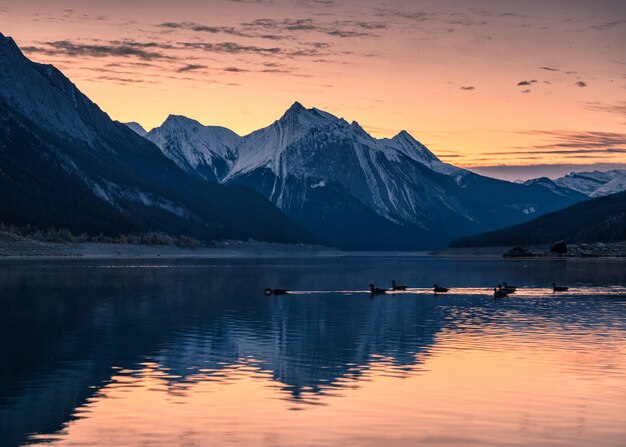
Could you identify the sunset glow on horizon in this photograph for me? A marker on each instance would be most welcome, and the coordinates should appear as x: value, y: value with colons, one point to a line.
x: 480, y: 83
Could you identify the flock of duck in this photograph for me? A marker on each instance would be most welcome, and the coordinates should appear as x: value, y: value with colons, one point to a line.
x: 500, y: 291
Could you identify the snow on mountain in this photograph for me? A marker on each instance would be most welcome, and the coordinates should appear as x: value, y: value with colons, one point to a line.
x: 592, y: 184
x: 137, y: 128
x: 313, y: 146
x: 617, y: 184
x: 545, y: 182
x: 65, y: 163
x: 342, y: 184
x: 209, y: 151
x: 264, y: 147
x: 44, y: 95
x: 308, y: 147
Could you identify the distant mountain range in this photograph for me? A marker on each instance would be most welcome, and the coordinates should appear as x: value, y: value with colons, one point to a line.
x: 350, y: 189
x: 598, y: 220
x: 64, y: 162
x: 592, y: 184
x: 308, y: 177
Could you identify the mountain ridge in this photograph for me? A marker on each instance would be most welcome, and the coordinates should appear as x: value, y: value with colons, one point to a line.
x: 591, y: 183
x: 332, y: 177
x: 601, y: 219
x: 64, y: 162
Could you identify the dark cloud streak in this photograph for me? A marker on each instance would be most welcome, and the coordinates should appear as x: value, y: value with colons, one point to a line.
x: 191, y: 67
x: 145, y: 51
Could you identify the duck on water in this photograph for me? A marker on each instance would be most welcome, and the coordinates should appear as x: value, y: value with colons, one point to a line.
x: 437, y: 289
x: 269, y: 292
x: 507, y: 288
x: 556, y: 288
x: 376, y: 291
x: 396, y: 287
x: 499, y: 293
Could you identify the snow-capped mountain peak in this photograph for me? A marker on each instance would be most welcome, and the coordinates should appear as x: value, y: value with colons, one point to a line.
x: 591, y: 184
x: 361, y: 133
x: 295, y: 109
x: 332, y: 176
x: 299, y: 116
x: 137, y: 128
x: 209, y: 150
x: 264, y: 147
x: 405, y: 143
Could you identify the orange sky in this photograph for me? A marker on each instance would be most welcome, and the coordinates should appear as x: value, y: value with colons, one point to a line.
x: 446, y: 71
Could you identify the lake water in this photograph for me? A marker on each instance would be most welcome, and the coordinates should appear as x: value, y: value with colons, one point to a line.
x: 190, y: 353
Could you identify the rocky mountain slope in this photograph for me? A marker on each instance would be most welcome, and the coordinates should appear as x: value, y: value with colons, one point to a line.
x: 599, y: 220
x: 64, y: 162
x: 592, y: 184
x: 350, y: 189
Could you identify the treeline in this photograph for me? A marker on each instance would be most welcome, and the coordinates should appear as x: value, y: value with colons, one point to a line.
x: 53, y: 234
x: 597, y: 220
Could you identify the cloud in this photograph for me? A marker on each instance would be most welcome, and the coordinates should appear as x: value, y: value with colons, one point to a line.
x: 302, y: 3
x: 565, y: 152
x: 337, y: 28
x: 574, y: 143
x: 313, y: 3
x: 258, y: 2
x: 580, y: 84
x: 231, y: 47
x: 549, y: 69
x: 198, y: 27
x: 618, y: 108
x: 468, y: 87
x: 526, y: 91
x: 532, y: 81
x: 530, y: 171
x: 273, y: 29
x: 235, y: 70
x: 146, y: 52
x: 132, y: 64
x: 608, y: 25
x: 71, y: 16
x: 191, y: 67
x: 142, y: 50
x: 120, y: 80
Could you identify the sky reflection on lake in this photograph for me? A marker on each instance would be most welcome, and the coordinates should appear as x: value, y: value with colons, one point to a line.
x: 192, y: 353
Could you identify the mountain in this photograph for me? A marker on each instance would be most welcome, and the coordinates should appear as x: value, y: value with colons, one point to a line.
x: 137, y: 128
x: 353, y: 190
x: 560, y: 190
x: 64, y: 162
x: 209, y: 151
x: 598, y: 220
x: 592, y: 184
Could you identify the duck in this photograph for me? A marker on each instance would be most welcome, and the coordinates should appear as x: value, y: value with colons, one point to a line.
x: 396, y: 287
x: 376, y: 291
x: 438, y: 289
x: 499, y: 293
x: 269, y: 292
x: 556, y: 288
x: 507, y: 288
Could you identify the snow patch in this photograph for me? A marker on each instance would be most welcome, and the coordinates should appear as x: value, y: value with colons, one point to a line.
x: 320, y: 184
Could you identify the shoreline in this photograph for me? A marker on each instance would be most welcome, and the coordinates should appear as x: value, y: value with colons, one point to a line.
x: 596, y: 250
x: 16, y: 248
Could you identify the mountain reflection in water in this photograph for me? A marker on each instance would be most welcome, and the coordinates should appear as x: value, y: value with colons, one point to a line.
x: 161, y: 351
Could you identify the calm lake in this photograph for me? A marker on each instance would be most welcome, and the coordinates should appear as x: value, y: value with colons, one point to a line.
x: 190, y: 353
